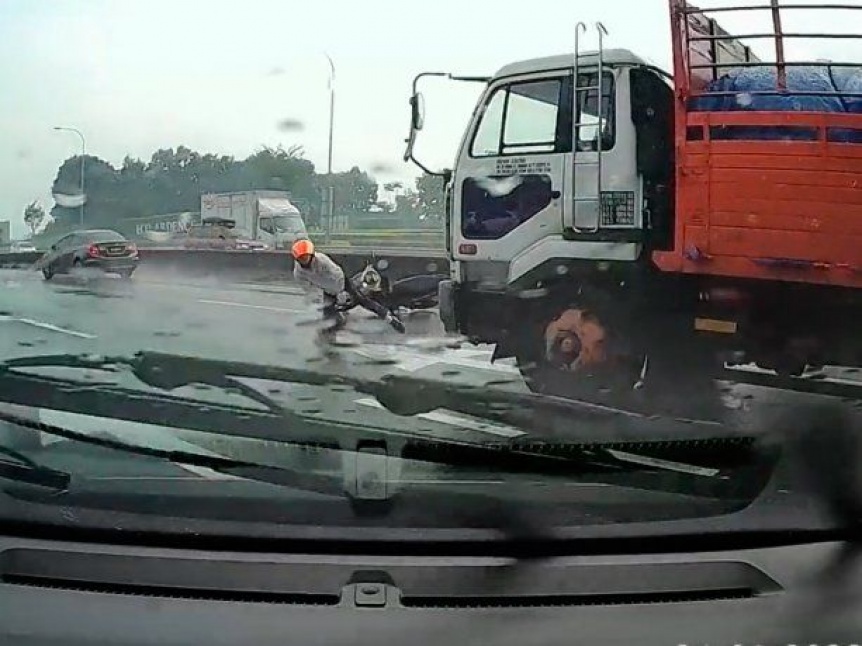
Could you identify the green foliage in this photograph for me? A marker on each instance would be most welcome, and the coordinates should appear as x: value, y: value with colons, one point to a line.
x: 424, y: 203
x: 34, y: 215
x: 174, y: 179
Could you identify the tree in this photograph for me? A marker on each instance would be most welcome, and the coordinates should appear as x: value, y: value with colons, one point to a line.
x: 431, y: 196
x: 34, y: 216
x: 173, y: 179
x: 103, y: 203
x: 355, y: 191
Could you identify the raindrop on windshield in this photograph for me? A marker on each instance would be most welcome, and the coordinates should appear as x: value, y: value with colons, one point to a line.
x: 291, y: 125
x: 744, y: 99
x: 382, y: 168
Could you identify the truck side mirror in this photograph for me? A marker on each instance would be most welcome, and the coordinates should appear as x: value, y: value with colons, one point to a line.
x: 417, y: 120
x: 417, y: 111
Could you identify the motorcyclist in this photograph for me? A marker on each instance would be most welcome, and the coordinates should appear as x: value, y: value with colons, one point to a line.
x: 315, y: 269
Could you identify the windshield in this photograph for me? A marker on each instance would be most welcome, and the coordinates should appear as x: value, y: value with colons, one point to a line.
x: 287, y: 222
x: 608, y: 294
x: 104, y: 236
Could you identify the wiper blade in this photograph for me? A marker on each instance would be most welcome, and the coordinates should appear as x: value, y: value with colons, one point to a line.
x: 229, y: 466
x: 407, y: 395
x: 607, y: 461
x: 24, y: 469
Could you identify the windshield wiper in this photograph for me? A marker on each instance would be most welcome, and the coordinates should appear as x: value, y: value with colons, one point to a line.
x: 26, y: 470
x: 601, y: 464
x: 703, y: 465
x: 405, y: 395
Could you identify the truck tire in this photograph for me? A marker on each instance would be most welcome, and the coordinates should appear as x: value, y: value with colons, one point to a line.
x: 648, y: 367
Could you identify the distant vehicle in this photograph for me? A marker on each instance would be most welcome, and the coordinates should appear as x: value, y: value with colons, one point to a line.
x: 219, y: 233
x: 212, y: 233
x: 99, y: 248
x: 22, y: 247
x: 268, y: 217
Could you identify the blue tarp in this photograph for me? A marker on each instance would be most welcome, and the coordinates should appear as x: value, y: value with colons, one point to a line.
x: 743, y: 83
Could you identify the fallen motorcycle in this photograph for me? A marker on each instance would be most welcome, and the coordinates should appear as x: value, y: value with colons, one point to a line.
x: 417, y: 292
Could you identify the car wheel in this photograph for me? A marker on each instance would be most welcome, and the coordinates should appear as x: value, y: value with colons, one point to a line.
x: 47, y: 272
x: 77, y: 269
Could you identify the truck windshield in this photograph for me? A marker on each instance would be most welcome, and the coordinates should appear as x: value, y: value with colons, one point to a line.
x: 287, y: 223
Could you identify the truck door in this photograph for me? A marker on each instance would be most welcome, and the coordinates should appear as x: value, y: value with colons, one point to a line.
x: 510, y: 176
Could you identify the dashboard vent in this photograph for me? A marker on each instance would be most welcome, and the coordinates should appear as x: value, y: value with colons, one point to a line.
x: 547, y: 601
x: 170, y: 592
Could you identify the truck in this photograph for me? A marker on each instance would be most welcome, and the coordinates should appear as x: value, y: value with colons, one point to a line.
x: 267, y: 216
x: 629, y: 235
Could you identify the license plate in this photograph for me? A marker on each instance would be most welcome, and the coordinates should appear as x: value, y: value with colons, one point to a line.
x: 116, y: 250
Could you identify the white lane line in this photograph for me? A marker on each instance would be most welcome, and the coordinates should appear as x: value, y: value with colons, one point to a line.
x: 286, y: 310
x: 48, y: 326
x: 462, y: 422
x: 409, y: 360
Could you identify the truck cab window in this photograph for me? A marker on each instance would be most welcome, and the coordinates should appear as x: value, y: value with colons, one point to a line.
x: 592, y: 119
x: 518, y: 119
x: 267, y: 225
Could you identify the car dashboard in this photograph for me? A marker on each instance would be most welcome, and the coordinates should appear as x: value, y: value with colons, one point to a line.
x: 56, y: 592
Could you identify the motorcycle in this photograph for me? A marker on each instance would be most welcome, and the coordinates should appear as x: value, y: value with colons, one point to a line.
x: 410, y: 293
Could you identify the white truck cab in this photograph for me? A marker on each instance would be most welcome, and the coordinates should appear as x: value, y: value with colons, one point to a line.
x: 536, y: 180
x: 547, y: 176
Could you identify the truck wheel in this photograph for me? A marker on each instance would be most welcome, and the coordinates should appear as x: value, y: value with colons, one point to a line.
x: 575, y: 352
x: 606, y: 355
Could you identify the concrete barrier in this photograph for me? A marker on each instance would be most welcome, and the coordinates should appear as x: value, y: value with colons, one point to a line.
x: 266, y: 265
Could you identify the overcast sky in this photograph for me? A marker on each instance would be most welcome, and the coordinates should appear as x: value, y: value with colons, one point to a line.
x: 219, y: 76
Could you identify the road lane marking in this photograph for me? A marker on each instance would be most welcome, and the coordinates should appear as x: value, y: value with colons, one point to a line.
x: 463, y: 422
x: 48, y: 326
x: 286, y: 310
x: 409, y: 360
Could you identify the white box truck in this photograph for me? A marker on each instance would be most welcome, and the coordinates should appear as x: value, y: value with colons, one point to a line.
x: 267, y: 216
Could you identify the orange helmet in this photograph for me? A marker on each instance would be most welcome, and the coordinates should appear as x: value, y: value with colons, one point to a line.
x: 302, y: 248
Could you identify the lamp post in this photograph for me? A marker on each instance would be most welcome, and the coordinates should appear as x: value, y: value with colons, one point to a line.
x: 331, y: 190
x: 83, y: 155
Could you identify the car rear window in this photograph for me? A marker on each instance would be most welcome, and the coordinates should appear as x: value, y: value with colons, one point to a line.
x: 104, y: 236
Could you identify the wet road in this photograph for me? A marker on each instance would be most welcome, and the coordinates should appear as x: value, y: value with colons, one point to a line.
x: 272, y: 324
x: 257, y: 323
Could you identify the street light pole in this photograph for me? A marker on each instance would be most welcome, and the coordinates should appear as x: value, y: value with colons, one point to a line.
x: 331, y: 189
x: 331, y: 111
x: 83, y: 156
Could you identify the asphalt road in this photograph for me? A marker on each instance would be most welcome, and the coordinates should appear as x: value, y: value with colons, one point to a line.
x: 269, y: 324
x: 266, y: 324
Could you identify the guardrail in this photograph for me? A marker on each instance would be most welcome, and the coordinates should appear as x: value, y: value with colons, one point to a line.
x: 422, y: 238
x: 265, y: 265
